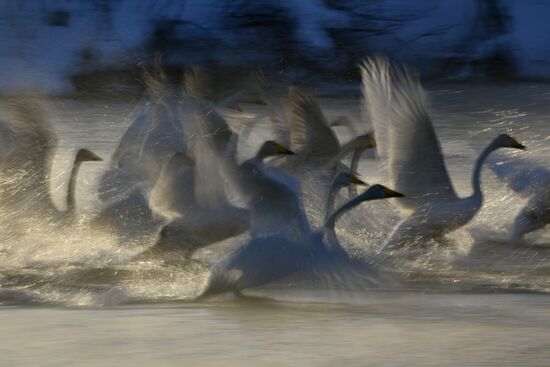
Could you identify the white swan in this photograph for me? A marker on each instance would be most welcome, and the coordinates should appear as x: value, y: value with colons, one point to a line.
x: 407, y: 141
x: 26, y: 164
x: 268, y: 258
x: 271, y: 196
x: 530, y: 181
x: 154, y: 135
x: 199, y: 225
x: 173, y: 195
x: 192, y: 226
x: 318, y: 151
x: 191, y: 190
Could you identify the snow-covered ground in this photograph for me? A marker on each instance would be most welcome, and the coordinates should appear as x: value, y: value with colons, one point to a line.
x: 45, y: 42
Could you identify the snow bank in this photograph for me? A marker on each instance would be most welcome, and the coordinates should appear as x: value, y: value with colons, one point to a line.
x: 45, y: 43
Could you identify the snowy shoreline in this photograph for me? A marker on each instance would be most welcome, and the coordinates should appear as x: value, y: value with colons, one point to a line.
x: 46, y: 46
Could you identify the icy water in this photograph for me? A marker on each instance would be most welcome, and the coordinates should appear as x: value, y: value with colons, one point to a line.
x: 81, y: 298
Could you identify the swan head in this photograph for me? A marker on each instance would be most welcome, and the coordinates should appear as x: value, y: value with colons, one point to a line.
x: 86, y: 155
x: 271, y: 148
x: 380, y: 192
x: 506, y: 141
x: 366, y: 141
x: 374, y: 192
x: 344, y: 179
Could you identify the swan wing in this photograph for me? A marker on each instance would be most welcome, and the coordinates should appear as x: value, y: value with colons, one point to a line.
x: 280, y: 130
x: 376, y: 86
x: 309, y: 130
x: 151, y: 139
x: 414, y: 157
x: 173, y: 195
x: 333, y: 268
x: 33, y: 141
x: 521, y: 175
x: 132, y: 138
x: 213, y: 147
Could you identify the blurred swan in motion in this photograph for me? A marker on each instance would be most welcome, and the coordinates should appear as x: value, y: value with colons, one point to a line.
x: 193, y: 225
x: 153, y: 136
x: 269, y: 257
x: 318, y: 150
x: 530, y: 181
x: 406, y: 140
x: 27, y: 162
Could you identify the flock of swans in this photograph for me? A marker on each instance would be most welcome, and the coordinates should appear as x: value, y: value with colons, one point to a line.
x: 176, y: 175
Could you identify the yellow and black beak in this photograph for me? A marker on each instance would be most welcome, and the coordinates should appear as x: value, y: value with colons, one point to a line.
x: 356, y: 181
x: 392, y: 194
x: 283, y: 150
x: 517, y: 145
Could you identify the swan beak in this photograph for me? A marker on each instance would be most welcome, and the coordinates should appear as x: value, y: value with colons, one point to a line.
x: 96, y: 158
x: 517, y: 145
x: 283, y: 150
x: 355, y: 180
x: 392, y: 194
x: 367, y: 140
x: 371, y: 141
x: 87, y: 155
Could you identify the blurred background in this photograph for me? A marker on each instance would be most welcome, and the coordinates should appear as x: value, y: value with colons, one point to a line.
x: 63, y: 46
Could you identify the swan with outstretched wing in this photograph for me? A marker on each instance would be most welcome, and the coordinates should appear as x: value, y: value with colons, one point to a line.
x: 268, y: 257
x: 406, y: 140
x: 26, y: 165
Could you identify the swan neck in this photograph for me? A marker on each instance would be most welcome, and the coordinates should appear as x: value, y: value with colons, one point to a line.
x: 71, y: 189
x: 330, y: 223
x: 476, y: 176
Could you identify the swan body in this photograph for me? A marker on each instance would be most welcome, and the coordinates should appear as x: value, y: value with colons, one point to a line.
x: 202, y: 226
x: 267, y: 258
x: 318, y: 151
x: 190, y: 191
x: 154, y: 135
x: 26, y: 166
x: 192, y: 225
x: 173, y: 195
x: 531, y: 181
x: 407, y: 141
x: 271, y: 196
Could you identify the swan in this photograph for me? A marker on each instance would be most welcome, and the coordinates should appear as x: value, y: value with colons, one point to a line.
x: 200, y: 226
x: 153, y: 136
x: 192, y: 225
x: 406, y: 139
x: 318, y: 151
x: 26, y: 166
x: 271, y: 196
x: 265, y: 259
x: 173, y: 195
x: 530, y: 181
x: 191, y: 191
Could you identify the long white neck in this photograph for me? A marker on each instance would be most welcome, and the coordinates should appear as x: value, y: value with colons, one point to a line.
x: 335, y: 216
x: 477, y: 194
x: 352, y: 146
x: 71, y: 188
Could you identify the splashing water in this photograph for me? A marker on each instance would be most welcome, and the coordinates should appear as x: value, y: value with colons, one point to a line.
x: 43, y: 262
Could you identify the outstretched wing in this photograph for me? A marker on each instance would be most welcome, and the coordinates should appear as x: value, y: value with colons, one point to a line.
x: 415, y: 161
x: 377, y: 100
x: 310, y: 133
x: 520, y: 174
